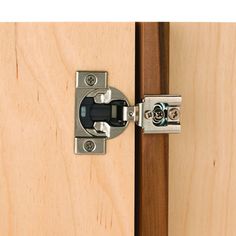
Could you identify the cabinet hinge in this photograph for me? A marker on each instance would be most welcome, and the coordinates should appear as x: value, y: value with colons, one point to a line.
x: 103, y: 112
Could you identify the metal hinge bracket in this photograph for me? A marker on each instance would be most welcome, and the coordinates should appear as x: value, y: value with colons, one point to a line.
x: 103, y: 112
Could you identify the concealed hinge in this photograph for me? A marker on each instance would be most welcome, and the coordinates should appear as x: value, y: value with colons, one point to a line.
x: 103, y: 112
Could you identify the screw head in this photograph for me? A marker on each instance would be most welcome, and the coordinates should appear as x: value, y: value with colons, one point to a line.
x: 148, y: 114
x: 131, y: 114
x: 89, y: 146
x: 91, y: 80
x: 174, y: 113
x: 159, y: 115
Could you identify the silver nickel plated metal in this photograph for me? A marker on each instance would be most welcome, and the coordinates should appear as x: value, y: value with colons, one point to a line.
x: 103, y: 112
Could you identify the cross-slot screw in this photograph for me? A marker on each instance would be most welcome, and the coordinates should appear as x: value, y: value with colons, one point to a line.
x: 91, y: 79
x: 89, y: 146
x: 174, y: 113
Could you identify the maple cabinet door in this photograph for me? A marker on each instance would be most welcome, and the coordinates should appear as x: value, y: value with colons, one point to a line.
x: 202, y: 159
x: 44, y: 188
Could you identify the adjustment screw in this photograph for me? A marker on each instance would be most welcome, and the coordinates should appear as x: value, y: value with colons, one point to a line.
x: 174, y: 113
x: 89, y: 146
x: 148, y: 114
x: 158, y: 115
x: 131, y: 114
x: 91, y: 80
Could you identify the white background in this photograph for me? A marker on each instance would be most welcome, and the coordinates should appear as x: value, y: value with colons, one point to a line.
x: 119, y: 10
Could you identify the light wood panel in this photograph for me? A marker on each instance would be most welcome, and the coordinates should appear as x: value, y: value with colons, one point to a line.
x: 44, y: 188
x: 202, y: 164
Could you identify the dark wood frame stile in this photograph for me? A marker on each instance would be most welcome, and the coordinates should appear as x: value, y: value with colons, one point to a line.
x: 152, y: 77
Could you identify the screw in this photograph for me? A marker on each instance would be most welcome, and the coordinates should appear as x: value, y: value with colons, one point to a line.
x: 148, y: 114
x: 159, y: 114
x: 174, y: 113
x: 91, y: 79
x: 89, y: 146
x: 131, y: 113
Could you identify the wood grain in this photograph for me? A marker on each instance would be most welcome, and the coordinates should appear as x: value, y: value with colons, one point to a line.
x: 202, y: 185
x: 152, y: 61
x: 44, y: 188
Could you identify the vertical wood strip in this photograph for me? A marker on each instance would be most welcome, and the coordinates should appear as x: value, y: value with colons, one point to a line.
x: 152, y: 50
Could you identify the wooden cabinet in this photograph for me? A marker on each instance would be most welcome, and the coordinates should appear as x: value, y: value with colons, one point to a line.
x: 145, y: 185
